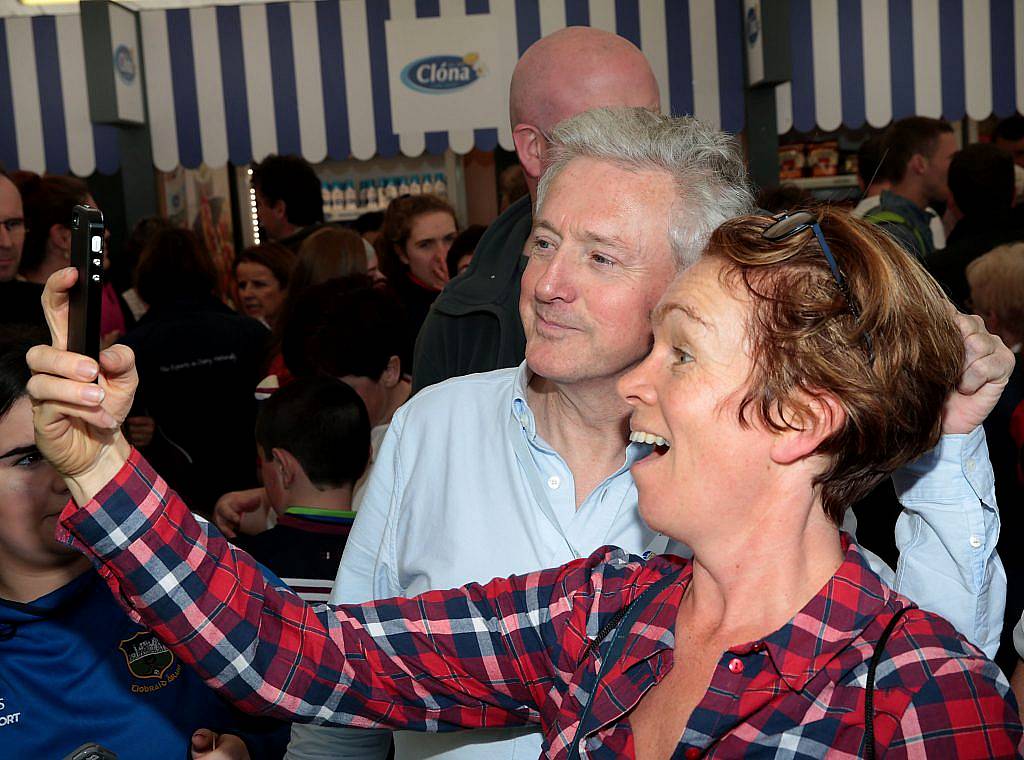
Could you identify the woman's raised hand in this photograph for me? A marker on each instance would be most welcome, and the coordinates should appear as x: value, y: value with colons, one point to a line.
x: 78, y: 421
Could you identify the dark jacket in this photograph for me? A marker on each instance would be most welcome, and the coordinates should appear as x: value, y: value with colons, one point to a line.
x: 21, y: 304
x: 294, y: 241
x: 474, y: 325
x: 913, y: 231
x: 972, y: 237
x: 416, y: 301
x: 303, y: 550
x: 198, y: 365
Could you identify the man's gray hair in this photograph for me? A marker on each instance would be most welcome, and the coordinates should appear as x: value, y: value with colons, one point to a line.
x: 706, y: 164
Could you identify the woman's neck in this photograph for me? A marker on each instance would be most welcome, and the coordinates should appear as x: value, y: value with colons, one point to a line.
x: 752, y: 579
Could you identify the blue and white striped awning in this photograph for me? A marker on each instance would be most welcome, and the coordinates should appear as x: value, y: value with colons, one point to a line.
x: 44, y: 106
x: 873, y: 61
x: 238, y: 82
x: 311, y: 78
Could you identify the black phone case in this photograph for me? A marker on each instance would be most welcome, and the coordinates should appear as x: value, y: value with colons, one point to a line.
x: 87, y: 295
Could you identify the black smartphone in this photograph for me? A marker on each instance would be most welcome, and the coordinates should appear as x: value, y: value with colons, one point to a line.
x: 87, y: 241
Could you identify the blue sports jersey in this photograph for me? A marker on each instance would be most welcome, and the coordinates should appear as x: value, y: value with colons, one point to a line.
x: 75, y: 669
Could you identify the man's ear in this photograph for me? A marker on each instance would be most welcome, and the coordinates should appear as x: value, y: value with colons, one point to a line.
x: 60, y: 237
x: 530, y: 147
x: 280, y: 209
x: 822, y: 416
x: 287, y: 466
x: 918, y: 164
x: 392, y: 373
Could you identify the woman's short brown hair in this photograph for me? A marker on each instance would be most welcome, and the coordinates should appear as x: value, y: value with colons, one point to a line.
x: 274, y: 256
x: 327, y: 253
x: 891, y: 368
x: 397, y: 226
x: 174, y: 265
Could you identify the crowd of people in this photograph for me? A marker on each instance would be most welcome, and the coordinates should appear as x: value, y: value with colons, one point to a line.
x: 737, y: 467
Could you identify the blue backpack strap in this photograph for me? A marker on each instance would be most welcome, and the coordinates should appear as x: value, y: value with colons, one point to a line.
x: 621, y: 622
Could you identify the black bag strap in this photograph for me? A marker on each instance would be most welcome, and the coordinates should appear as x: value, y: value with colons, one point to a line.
x: 869, y: 696
x: 624, y: 619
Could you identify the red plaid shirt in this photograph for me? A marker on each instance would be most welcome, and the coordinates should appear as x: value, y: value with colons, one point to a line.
x: 515, y: 651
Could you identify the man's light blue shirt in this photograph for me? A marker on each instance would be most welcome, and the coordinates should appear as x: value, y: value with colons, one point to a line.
x: 464, y: 489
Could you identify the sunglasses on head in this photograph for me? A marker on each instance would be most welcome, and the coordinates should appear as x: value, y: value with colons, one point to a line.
x: 786, y: 226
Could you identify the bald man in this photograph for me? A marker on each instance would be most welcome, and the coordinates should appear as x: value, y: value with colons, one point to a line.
x: 19, y: 301
x: 474, y: 325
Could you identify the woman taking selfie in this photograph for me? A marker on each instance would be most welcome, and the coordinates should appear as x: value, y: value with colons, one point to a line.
x: 801, y: 360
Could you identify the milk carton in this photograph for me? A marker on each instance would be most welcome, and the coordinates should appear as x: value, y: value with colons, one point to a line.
x: 351, y: 198
x: 337, y: 199
x: 440, y: 185
x: 325, y: 196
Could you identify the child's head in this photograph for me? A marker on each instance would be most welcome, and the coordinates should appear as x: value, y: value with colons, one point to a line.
x: 313, y: 433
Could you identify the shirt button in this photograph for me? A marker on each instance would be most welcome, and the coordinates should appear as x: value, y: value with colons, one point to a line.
x: 971, y: 464
x: 692, y: 753
x: 975, y: 542
x: 554, y: 482
x: 736, y: 665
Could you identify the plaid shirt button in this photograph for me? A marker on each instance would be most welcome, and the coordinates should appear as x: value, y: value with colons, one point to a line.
x: 736, y: 665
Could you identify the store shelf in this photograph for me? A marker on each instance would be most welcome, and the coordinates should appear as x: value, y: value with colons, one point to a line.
x: 349, y: 216
x: 822, y: 183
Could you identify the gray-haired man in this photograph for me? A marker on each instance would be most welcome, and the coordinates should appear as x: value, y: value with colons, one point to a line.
x: 523, y: 468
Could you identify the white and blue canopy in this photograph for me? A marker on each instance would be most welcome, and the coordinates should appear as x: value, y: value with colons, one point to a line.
x: 237, y: 82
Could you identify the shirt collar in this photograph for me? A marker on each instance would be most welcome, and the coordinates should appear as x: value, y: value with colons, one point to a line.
x: 520, y: 409
x: 828, y: 623
x: 524, y: 415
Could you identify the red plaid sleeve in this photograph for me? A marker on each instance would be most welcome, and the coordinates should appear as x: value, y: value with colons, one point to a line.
x: 961, y: 706
x: 446, y: 660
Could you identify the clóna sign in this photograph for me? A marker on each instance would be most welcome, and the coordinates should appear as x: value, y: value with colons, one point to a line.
x: 442, y: 73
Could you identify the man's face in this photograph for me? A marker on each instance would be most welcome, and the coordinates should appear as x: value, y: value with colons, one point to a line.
x: 599, y: 260
x: 12, y: 229
x: 937, y: 174
x: 1014, y: 147
x: 32, y: 496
